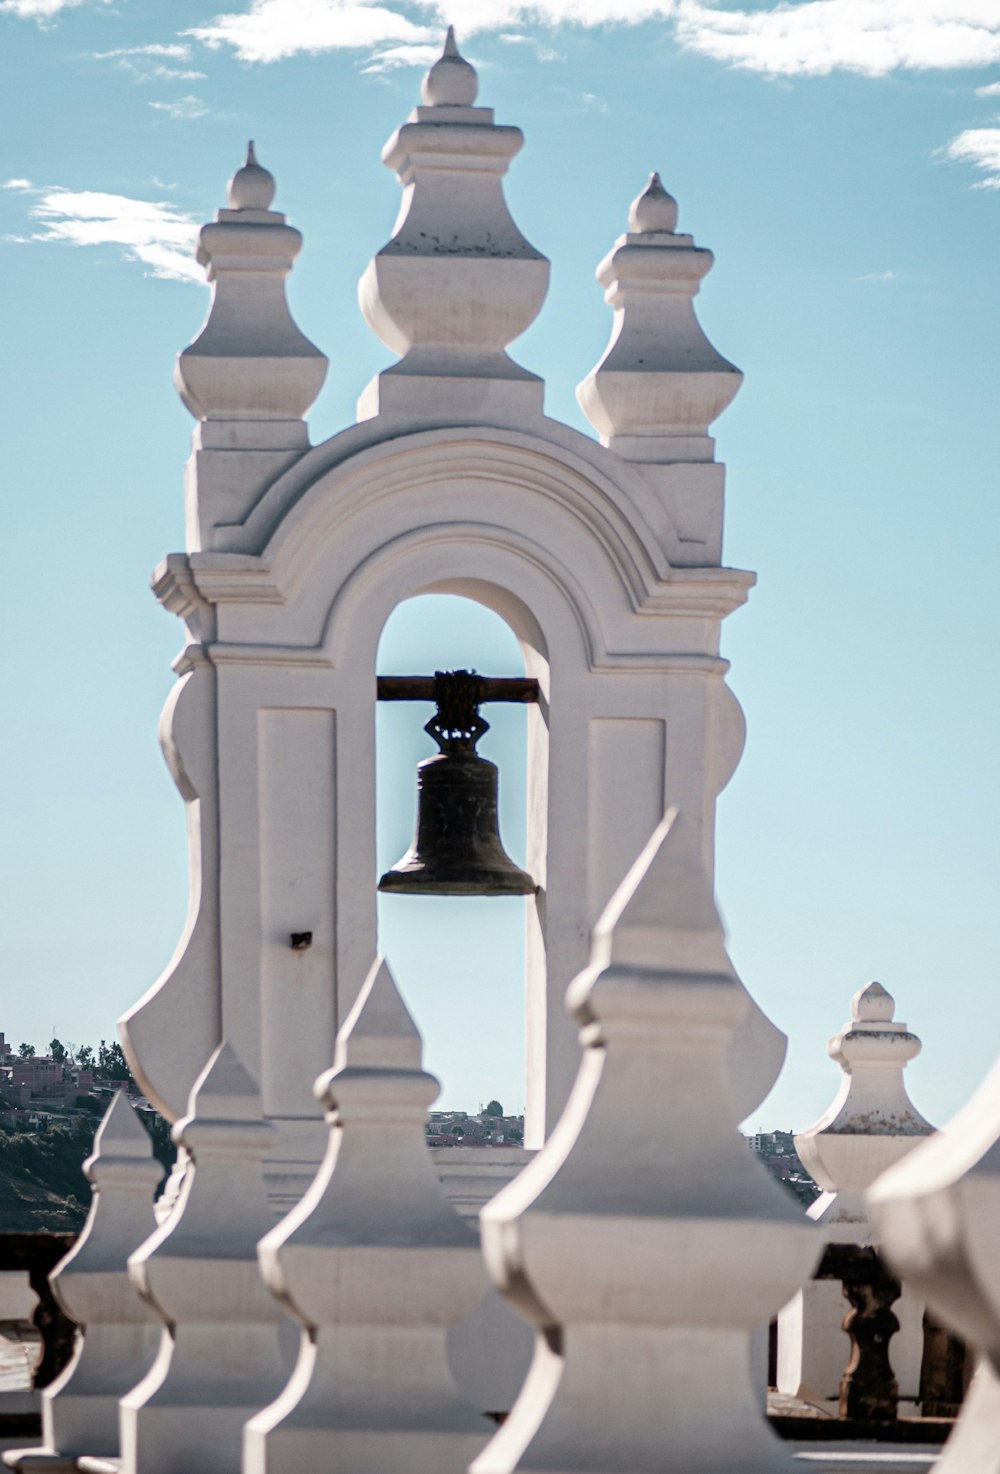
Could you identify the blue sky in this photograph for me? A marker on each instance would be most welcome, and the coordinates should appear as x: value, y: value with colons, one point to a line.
x: 843, y: 162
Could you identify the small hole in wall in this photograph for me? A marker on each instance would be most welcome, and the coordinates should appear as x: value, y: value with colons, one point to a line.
x: 459, y: 961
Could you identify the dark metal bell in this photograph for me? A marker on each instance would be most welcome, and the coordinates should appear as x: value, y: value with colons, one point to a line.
x: 457, y: 850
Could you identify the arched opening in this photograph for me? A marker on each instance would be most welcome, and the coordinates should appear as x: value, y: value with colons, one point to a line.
x: 459, y: 960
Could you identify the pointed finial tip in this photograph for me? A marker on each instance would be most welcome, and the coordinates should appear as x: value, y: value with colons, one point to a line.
x: 653, y: 210
x: 252, y: 187
x: 452, y: 81
x: 873, y: 1004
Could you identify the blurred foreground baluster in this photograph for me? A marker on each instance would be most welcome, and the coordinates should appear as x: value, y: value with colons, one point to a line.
x: 937, y: 1216
x: 219, y: 1357
x: 644, y: 1241
x: 118, y: 1337
x: 377, y: 1265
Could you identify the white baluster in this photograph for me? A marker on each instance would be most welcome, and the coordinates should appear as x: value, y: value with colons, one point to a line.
x: 219, y: 1358
x: 644, y: 1240
x: 871, y: 1124
x: 937, y: 1219
x: 377, y: 1266
x: 118, y: 1337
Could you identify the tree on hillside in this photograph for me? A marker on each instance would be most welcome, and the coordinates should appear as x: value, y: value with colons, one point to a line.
x: 111, y: 1062
x: 26, y: 1051
x: 58, y: 1052
x: 493, y: 1108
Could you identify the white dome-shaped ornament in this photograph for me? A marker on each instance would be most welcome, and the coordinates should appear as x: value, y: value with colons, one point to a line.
x: 653, y: 210
x: 252, y: 187
x: 452, y: 81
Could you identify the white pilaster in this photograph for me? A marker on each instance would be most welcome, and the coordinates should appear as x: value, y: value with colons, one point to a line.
x: 377, y: 1266
x: 644, y: 1241
x: 871, y: 1124
x: 219, y: 1357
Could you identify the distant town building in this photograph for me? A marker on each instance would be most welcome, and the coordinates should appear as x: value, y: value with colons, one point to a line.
x: 776, y: 1149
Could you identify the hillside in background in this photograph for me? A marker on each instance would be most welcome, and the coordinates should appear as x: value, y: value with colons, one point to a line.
x: 42, y: 1186
x: 50, y: 1108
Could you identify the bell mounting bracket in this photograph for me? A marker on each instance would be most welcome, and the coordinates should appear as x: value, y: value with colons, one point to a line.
x: 456, y: 725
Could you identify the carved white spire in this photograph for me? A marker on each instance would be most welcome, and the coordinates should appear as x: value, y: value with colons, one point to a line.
x: 660, y: 383
x: 219, y: 1358
x: 644, y: 1240
x: 458, y: 281
x: 376, y: 1265
x: 250, y: 375
x: 871, y: 1124
x: 118, y: 1337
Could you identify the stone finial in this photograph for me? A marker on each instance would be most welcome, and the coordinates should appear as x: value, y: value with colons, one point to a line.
x: 457, y: 282
x: 874, y: 1004
x: 452, y: 81
x: 219, y: 1358
x: 660, y: 383
x: 936, y: 1216
x: 252, y: 187
x: 654, y: 210
x: 871, y: 1124
x: 644, y: 1240
x: 250, y: 376
x: 377, y: 1266
x: 118, y: 1337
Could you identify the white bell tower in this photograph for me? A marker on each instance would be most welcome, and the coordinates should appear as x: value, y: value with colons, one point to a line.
x: 604, y: 558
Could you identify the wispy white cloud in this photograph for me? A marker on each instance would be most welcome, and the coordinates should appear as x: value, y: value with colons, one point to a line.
x: 543, y: 52
x: 981, y: 148
x: 40, y: 10
x: 878, y: 276
x: 154, y: 63
x: 781, y: 38
x: 391, y: 58
x: 992, y: 89
x: 269, y: 30
x: 172, y: 51
x: 152, y: 232
x: 24, y: 186
x: 157, y: 72
x: 182, y: 109
x: 872, y: 37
